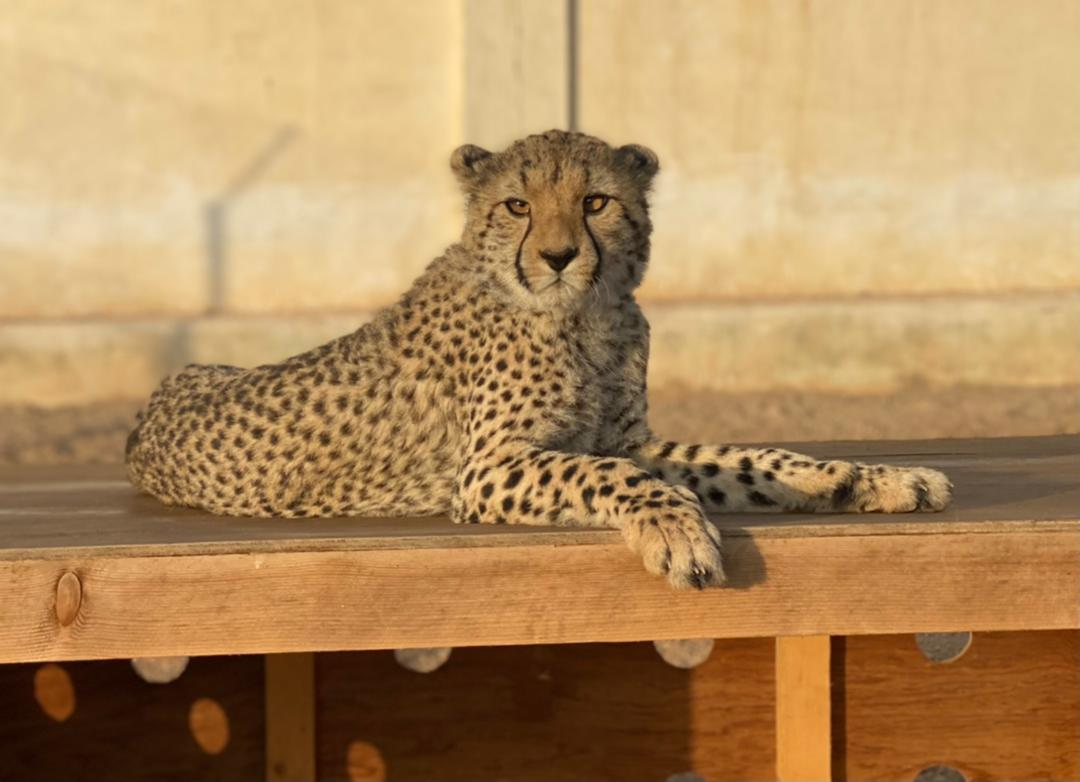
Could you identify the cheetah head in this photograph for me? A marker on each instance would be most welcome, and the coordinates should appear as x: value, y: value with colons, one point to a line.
x: 559, y: 219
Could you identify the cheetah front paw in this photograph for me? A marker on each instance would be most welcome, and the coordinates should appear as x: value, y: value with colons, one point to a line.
x: 680, y: 543
x: 904, y: 489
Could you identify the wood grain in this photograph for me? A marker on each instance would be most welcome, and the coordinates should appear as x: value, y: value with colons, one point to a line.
x: 803, y: 710
x: 1014, y: 484
x: 569, y: 712
x: 158, y: 582
x: 290, y: 717
x: 1006, y: 710
x: 312, y: 601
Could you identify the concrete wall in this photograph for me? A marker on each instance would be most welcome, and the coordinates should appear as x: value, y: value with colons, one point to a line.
x: 845, y: 149
x: 253, y: 156
x: 854, y: 196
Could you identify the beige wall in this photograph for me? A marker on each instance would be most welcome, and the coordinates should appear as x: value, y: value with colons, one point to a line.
x: 319, y: 132
x: 847, y: 148
x: 855, y: 195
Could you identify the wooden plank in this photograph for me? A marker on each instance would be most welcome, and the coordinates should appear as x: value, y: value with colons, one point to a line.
x: 1005, y: 557
x: 371, y: 599
x: 1009, y: 484
x: 803, y: 709
x: 290, y: 717
x: 558, y: 712
x: 1006, y: 710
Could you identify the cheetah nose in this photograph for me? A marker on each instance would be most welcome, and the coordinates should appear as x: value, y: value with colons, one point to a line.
x: 559, y: 259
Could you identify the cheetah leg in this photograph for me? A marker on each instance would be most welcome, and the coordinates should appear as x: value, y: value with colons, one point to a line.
x: 732, y: 479
x: 663, y: 523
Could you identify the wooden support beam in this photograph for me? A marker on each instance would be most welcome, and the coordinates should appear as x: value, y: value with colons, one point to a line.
x: 803, y: 709
x: 290, y: 717
x: 545, y: 589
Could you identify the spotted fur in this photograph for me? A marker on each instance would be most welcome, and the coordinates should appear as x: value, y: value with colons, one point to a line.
x: 506, y: 386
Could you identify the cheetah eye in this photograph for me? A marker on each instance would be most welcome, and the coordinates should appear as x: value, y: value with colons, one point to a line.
x: 517, y: 207
x: 595, y: 203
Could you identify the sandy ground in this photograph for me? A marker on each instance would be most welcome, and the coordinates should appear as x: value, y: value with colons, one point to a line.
x: 911, y: 414
x: 96, y: 434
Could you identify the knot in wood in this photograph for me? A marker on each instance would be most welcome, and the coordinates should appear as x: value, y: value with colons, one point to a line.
x: 68, y: 598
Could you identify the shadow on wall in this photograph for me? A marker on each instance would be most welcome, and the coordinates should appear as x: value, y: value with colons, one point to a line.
x: 216, y: 214
x: 178, y: 350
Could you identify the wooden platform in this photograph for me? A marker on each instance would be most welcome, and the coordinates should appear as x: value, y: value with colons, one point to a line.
x: 89, y: 569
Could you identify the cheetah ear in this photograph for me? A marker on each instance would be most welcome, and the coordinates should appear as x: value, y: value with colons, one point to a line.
x: 467, y: 161
x: 642, y: 161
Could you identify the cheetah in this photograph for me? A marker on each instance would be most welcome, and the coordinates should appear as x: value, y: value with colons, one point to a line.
x: 506, y: 386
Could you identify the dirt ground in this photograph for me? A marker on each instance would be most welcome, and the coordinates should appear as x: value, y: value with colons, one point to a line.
x: 910, y: 414
x: 96, y: 434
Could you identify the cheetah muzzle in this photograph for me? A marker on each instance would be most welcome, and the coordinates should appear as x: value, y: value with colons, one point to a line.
x: 506, y: 386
